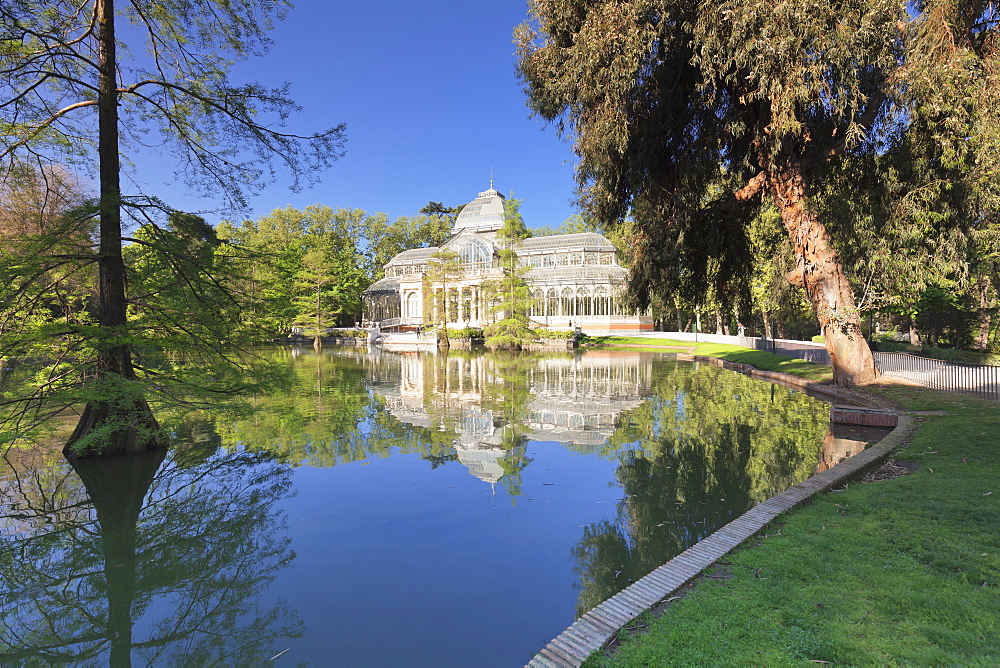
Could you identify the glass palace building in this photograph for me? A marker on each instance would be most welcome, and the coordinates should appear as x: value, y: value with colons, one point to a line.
x: 574, y: 279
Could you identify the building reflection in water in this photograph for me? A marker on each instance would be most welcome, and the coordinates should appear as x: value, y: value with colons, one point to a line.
x: 573, y: 399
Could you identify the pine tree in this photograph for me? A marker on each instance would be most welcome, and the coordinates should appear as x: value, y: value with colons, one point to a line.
x: 509, y: 298
x: 690, y: 117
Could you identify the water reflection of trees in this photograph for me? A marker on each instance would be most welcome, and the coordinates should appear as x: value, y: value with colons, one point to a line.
x: 477, y: 409
x: 329, y: 415
x: 494, y: 404
x: 706, y: 447
x: 694, y: 445
x: 129, y: 557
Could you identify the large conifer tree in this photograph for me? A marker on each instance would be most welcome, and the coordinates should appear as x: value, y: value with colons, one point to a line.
x: 690, y: 116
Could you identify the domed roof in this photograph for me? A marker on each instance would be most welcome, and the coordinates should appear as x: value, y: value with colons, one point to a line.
x: 483, y: 214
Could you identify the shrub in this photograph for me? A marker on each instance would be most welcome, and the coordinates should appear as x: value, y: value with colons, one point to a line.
x: 467, y: 333
x: 545, y: 333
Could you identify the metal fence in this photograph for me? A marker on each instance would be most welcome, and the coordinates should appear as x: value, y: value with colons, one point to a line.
x: 976, y: 380
x: 981, y: 381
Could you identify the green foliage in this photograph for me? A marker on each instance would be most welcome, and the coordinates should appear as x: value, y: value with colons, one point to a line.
x: 188, y: 330
x: 61, y: 59
x: 870, y: 126
x: 544, y: 333
x: 509, y: 298
x: 226, y: 137
x: 296, y: 256
x: 573, y: 225
x: 383, y: 240
x: 892, y: 572
x: 466, y: 333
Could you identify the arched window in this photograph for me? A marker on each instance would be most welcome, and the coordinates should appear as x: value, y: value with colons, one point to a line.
x: 551, y: 302
x: 567, y: 302
x: 585, y: 302
x: 537, y: 303
x: 413, y: 306
x: 473, y: 253
x: 601, y: 301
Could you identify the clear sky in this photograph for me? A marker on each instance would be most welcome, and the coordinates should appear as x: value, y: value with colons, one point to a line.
x: 431, y: 102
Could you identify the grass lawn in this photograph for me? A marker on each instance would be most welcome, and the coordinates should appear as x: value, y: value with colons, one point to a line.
x: 761, y: 360
x: 897, y: 572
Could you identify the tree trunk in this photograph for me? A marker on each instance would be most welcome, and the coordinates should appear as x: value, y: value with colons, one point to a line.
x: 914, y: 334
x: 767, y: 324
x: 984, y: 314
x: 819, y: 272
x: 117, y: 487
x: 318, y: 339
x: 129, y: 415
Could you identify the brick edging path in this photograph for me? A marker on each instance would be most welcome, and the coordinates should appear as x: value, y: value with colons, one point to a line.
x: 596, y: 628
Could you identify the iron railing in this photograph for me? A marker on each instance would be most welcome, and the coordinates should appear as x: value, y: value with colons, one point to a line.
x: 977, y: 380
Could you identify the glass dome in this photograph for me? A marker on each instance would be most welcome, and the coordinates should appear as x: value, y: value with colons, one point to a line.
x: 483, y: 214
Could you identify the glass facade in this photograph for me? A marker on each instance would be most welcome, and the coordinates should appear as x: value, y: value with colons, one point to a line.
x: 573, y: 278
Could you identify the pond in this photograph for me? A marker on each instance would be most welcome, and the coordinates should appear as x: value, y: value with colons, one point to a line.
x: 393, y: 509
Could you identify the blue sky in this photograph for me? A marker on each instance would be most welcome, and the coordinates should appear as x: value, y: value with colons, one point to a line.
x: 431, y: 102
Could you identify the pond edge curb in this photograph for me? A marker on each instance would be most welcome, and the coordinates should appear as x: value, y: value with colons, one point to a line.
x: 596, y: 628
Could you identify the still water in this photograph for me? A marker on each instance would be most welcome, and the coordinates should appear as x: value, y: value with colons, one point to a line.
x: 392, y: 509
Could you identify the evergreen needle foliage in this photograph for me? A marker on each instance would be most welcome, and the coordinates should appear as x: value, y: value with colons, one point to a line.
x: 509, y: 297
x: 869, y: 127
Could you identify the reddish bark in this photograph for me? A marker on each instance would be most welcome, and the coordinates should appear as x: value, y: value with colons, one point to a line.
x: 819, y: 272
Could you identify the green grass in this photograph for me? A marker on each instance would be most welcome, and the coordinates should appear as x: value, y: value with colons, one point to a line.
x: 761, y: 360
x: 898, y: 572
x: 639, y: 341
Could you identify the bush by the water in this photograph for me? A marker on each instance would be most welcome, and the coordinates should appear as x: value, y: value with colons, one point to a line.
x: 466, y: 333
x: 545, y: 333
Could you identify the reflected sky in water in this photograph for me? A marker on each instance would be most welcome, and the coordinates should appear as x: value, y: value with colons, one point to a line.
x: 393, y: 509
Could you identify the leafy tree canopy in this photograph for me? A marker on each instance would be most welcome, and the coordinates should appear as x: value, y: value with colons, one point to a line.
x: 689, y: 117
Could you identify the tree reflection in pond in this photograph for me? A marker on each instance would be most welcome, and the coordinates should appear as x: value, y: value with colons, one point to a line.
x: 707, y: 446
x: 137, y: 559
x: 617, y: 460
